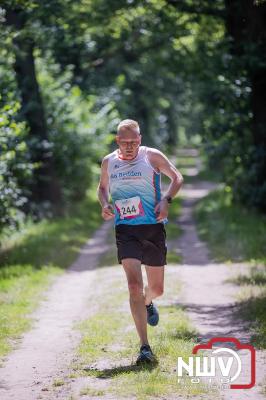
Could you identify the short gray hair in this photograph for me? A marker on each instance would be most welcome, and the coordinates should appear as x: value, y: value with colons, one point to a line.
x: 128, y: 125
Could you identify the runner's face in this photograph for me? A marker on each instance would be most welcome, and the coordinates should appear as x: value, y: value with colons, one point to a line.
x: 128, y: 142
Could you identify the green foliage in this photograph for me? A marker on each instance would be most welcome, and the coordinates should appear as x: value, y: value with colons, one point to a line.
x: 234, y: 233
x: 15, y: 167
x: 185, y: 71
x: 227, y: 108
x: 79, y: 129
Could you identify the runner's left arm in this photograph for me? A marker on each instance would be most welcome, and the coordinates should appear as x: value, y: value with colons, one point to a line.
x: 162, y: 164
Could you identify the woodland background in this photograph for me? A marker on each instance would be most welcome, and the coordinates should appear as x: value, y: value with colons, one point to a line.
x: 191, y: 72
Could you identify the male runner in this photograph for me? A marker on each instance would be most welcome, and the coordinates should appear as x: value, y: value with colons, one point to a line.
x: 132, y: 175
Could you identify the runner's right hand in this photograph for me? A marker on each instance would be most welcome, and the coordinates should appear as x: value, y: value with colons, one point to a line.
x: 108, y: 212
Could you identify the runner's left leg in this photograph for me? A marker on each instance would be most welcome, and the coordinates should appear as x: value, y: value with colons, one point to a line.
x: 155, y: 278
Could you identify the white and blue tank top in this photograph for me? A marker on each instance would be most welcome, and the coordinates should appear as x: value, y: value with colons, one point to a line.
x: 135, y: 188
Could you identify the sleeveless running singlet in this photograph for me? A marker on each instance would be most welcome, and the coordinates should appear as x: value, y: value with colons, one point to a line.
x: 135, y: 188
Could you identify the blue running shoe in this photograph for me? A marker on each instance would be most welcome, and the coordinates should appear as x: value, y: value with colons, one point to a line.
x: 152, y: 314
x: 145, y: 355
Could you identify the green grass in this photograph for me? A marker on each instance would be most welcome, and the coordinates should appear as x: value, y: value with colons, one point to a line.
x: 205, y: 173
x: 58, y: 382
x: 209, y: 175
x: 172, y: 228
x: 110, y: 256
x: 251, y: 300
x: 263, y: 387
x: 20, y: 288
x: 109, y: 345
x: 173, y: 258
x: 91, y: 392
x: 256, y: 277
x: 183, y: 161
x: 56, y: 240
x: 233, y: 232
x: 31, y: 258
x: 98, y: 331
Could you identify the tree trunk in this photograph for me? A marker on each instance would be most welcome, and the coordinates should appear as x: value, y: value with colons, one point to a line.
x: 45, y: 187
x: 246, y: 24
x: 257, y: 34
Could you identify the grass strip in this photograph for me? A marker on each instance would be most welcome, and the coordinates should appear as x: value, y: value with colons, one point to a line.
x: 31, y: 258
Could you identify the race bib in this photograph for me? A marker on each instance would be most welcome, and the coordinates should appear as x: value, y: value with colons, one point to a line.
x: 129, y: 208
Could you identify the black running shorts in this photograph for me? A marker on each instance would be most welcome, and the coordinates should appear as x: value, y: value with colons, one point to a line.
x: 146, y: 242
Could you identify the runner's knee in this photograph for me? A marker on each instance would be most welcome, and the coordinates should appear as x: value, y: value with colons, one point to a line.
x: 135, y: 289
x: 157, y: 290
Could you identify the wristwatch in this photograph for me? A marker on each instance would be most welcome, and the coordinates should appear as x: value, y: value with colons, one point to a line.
x: 169, y: 199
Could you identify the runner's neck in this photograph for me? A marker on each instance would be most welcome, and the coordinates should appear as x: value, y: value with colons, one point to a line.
x: 126, y: 159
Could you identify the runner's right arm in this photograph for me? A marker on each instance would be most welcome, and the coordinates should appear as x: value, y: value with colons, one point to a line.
x: 103, y: 192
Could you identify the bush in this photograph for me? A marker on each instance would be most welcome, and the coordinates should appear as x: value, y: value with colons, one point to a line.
x: 15, y: 167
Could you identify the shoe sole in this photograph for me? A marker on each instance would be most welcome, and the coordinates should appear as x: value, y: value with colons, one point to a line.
x: 153, y: 324
x: 144, y: 361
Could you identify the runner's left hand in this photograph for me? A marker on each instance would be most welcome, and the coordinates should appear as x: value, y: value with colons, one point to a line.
x: 161, y: 210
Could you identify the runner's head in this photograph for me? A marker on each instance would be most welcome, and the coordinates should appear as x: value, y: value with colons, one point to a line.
x: 128, y: 138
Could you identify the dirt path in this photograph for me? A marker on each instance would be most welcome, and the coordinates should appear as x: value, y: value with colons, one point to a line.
x: 47, y: 349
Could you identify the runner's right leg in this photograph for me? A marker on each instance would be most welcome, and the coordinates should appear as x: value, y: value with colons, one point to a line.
x: 155, y: 287
x: 132, y: 267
